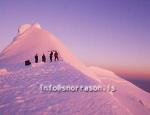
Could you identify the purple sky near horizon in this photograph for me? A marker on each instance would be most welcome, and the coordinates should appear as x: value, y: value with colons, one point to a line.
x: 113, y: 34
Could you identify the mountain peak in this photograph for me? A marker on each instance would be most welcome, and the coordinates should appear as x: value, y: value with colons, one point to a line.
x: 33, y: 39
x: 25, y: 27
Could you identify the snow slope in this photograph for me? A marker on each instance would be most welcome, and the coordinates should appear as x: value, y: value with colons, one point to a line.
x: 131, y: 98
x: 20, y: 92
x: 33, y: 39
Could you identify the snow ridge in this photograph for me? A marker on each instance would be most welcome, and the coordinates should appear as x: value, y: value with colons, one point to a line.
x: 19, y: 85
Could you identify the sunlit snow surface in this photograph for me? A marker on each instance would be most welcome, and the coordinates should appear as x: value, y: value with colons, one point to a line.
x: 20, y: 92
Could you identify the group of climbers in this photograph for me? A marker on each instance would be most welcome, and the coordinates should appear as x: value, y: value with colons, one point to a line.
x: 53, y: 54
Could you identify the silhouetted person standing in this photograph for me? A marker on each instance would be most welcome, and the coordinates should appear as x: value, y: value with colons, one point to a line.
x: 51, y: 56
x: 36, y: 58
x: 43, y: 58
x: 56, y: 55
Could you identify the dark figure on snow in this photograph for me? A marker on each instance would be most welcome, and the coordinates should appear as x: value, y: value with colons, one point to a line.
x: 27, y: 62
x: 43, y: 58
x: 36, y: 58
x: 51, y: 56
x: 56, y: 55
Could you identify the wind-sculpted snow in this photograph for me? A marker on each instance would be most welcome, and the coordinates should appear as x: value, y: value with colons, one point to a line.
x: 20, y: 86
x: 127, y: 94
x: 24, y: 28
x: 20, y: 93
x: 31, y: 40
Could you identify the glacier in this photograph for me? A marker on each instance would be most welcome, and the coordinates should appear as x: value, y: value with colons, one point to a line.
x: 20, y: 92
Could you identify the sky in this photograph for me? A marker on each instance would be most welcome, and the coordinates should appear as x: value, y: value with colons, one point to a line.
x: 113, y: 34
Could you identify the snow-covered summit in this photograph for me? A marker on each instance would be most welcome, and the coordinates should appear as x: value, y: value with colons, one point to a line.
x: 25, y: 27
x: 19, y: 85
x: 33, y: 39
